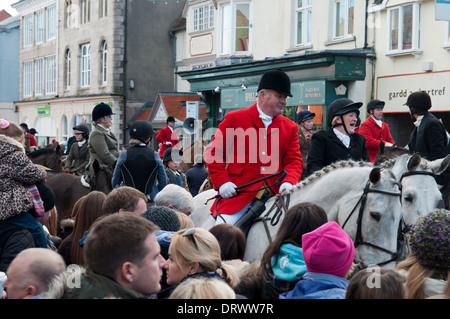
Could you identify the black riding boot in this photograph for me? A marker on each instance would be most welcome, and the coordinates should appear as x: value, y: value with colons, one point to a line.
x: 255, y: 210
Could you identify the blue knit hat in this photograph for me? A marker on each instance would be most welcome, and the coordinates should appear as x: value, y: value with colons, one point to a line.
x: 290, y: 265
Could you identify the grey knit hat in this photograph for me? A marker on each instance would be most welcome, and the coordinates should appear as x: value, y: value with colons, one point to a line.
x: 430, y: 239
x: 163, y: 217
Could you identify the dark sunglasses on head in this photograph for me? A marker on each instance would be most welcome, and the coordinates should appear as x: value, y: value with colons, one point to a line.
x: 190, y: 233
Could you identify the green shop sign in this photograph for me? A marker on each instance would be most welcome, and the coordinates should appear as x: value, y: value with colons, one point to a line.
x: 43, y: 110
x: 304, y: 93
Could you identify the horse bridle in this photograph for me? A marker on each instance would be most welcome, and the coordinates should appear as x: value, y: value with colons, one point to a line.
x: 358, y: 238
x: 403, y: 230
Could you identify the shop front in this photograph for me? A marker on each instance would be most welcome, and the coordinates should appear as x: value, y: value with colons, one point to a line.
x: 317, y: 79
x: 395, y: 89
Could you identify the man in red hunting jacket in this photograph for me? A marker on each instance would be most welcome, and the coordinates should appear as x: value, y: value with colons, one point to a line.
x: 253, y: 143
x: 167, y: 137
x: 375, y: 130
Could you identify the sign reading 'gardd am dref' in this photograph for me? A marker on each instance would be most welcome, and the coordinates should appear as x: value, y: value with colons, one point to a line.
x: 394, y: 90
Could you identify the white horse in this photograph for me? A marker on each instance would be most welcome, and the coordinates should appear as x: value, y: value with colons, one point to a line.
x: 420, y: 192
x: 339, y: 189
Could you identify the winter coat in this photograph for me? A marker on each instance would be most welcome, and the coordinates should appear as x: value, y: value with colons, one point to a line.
x: 16, y: 169
x: 103, y: 147
x: 374, y: 135
x: 86, y: 284
x: 326, y: 148
x: 304, y: 143
x: 318, y: 286
x: 232, y: 158
x: 166, y: 134
x: 430, y: 141
x: 177, y: 177
x: 13, y: 239
x: 78, y: 157
x: 195, y: 177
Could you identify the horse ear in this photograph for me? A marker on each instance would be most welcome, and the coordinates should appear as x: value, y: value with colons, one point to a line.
x: 375, y: 175
x: 414, y: 162
x: 440, y: 165
x: 96, y: 166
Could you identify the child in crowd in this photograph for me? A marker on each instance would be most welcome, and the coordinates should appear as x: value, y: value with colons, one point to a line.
x: 328, y: 252
x: 20, y: 202
x: 174, y: 175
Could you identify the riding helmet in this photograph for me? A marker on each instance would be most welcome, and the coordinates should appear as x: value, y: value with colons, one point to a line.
x: 375, y: 104
x: 83, y: 129
x: 141, y: 130
x: 419, y: 102
x: 305, y: 115
x: 168, y: 154
x: 101, y: 110
x: 342, y: 106
x: 277, y: 81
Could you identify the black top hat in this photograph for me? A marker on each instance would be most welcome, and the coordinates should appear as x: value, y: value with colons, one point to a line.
x: 277, y: 81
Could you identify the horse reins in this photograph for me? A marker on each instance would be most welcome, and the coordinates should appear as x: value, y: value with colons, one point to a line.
x: 358, y: 238
x: 239, y: 189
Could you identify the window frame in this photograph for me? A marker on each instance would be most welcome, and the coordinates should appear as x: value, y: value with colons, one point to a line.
x: 104, y: 62
x: 307, y: 10
x: 28, y: 30
x: 415, y: 32
x: 67, y: 67
x: 85, y: 66
x: 85, y: 11
x: 27, y: 79
x: 207, y: 18
x: 50, y: 22
x: 347, y: 33
x: 231, y: 51
x: 39, y: 27
x: 50, y: 74
x: 38, y: 77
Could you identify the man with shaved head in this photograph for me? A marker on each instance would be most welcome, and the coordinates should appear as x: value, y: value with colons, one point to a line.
x: 31, y: 271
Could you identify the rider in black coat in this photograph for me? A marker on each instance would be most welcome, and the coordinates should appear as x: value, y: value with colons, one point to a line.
x: 327, y: 146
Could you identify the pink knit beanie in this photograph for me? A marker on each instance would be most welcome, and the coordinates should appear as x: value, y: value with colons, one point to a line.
x: 328, y: 249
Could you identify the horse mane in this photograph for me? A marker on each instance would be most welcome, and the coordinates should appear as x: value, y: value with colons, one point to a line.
x: 391, y: 162
x: 330, y: 168
x: 42, y: 151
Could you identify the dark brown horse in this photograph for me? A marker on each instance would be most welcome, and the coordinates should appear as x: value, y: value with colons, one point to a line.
x: 69, y: 188
x: 386, y: 153
x: 49, y: 156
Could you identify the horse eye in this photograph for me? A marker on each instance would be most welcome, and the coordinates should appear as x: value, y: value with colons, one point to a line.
x: 409, y: 198
x: 376, y: 216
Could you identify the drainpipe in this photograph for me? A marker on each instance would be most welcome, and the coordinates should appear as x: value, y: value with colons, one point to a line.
x: 365, y: 25
x: 174, y: 59
x: 125, y: 24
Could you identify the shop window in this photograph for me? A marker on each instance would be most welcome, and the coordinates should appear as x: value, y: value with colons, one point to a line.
x: 404, y: 30
x: 235, y: 36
